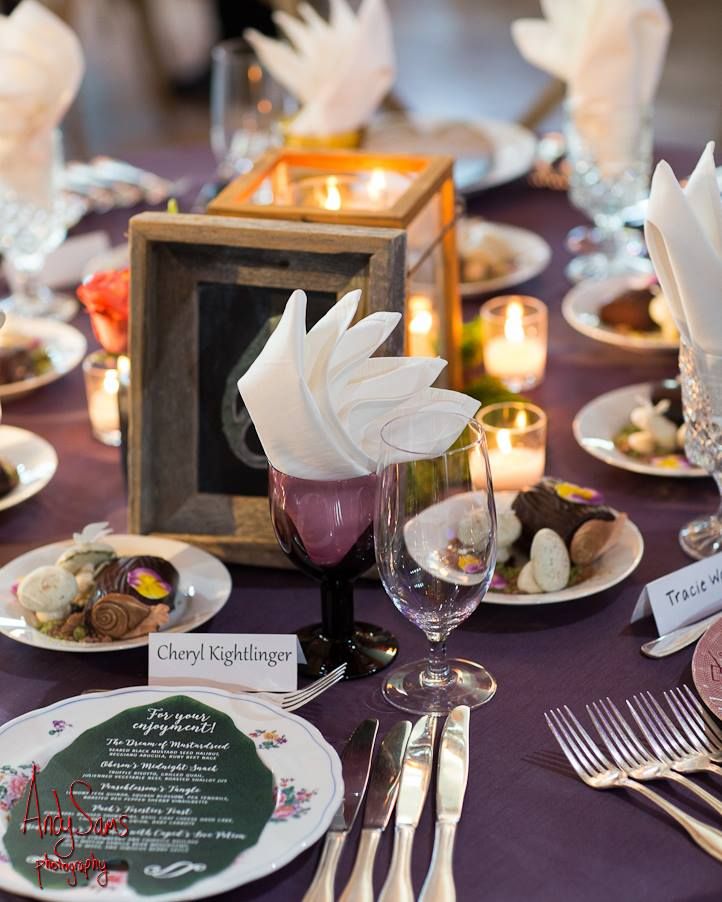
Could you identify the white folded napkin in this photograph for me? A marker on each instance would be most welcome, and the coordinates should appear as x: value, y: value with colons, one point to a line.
x: 41, y: 67
x: 683, y: 232
x: 318, y: 400
x: 609, y: 52
x: 338, y: 70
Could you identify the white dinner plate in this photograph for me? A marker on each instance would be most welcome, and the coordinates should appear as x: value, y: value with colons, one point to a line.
x: 600, y: 420
x: 306, y: 769
x: 581, y: 306
x: 64, y: 344
x: 611, y: 568
x: 203, y: 588
x: 488, y: 152
x: 530, y: 251
x: 33, y: 458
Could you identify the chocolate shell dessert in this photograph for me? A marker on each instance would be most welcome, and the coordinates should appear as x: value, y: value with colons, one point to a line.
x: 148, y: 579
x: 629, y: 311
x: 8, y: 477
x: 117, y: 616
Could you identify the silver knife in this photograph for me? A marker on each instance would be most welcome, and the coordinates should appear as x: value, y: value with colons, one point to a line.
x: 355, y: 765
x: 678, y: 639
x: 452, y: 774
x: 413, y: 786
x: 383, y: 789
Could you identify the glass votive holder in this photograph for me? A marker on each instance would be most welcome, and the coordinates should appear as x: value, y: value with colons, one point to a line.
x: 103, y: 374
x: 515, y: 330
x: 516, y: 435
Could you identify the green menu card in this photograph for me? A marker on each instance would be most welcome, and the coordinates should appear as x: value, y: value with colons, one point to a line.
x: 170, y: 792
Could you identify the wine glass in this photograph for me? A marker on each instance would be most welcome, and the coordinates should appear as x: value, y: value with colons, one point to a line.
x: 34, y: 216
x: 609, y: 150
x: 326, y: 529
x: 435, y: 534
x: 246, y: 106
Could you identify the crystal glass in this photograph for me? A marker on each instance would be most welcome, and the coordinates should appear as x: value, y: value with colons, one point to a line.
x: 34, y: 214
x: 609, y: 149
x: 701, y: 380
x: 326, y: 529
x: 435, y: 533
x: 246, y: 107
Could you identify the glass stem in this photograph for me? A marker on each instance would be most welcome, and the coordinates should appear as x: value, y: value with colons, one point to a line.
x: 337, y: 609
x: 438, y: 672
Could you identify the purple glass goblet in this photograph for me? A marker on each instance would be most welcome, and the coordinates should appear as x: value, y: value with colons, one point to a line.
x: 326, y: 529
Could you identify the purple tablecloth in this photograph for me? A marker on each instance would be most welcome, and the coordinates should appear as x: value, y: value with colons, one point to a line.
x: 530, y: 830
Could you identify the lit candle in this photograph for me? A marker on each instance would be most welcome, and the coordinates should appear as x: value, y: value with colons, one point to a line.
x: 420, y: 314
x: 332, y: 199
x: 516, y: 434
x: 102, y: 383
x: 515, y: 341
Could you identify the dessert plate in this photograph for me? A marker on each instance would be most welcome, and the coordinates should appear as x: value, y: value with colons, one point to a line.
x: 203, y: 589
x: 306, y: 770
x: 611, y: 568
x: 707, y: 668
x: 599, y: 421
x: 529, y: 252
x: 581, y: 306
x: 488, y: 152
x: 64, y: 344
x: 33, y: 458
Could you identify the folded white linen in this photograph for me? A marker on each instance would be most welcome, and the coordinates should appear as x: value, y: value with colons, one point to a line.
x: 339, y: 70
x: 318, y: 400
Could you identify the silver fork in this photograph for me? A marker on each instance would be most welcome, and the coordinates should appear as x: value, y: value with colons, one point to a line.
x: 629, y: 753
x: 596, y: 771
x: 667, y: 741
x: 702, y: 732
x: 287, y: 701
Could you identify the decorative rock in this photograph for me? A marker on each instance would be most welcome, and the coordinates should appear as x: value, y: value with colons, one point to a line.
x: 550, y: 559
x: 503, y: 553
x: 525, y: 582
x: 508, y: 528
x: 473, y: 529
x: 48, y: 592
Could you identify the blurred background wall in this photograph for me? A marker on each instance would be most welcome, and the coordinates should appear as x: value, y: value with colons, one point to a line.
x: 147, y: 78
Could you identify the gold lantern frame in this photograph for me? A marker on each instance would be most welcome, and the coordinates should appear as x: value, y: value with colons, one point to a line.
x: 431, y: 178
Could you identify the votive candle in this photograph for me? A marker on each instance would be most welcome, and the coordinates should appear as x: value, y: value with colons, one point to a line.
x: 516, y: 439
x: 515, y: 340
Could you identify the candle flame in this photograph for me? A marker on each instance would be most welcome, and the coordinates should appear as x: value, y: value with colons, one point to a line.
x: 520, y: 420
x: 332, y: 200
x: 503, y: 441
x: 513, y: 326
x: 377, y: 185
x: 421, y: 320
x: 255, y: 73
x: 110, y: 382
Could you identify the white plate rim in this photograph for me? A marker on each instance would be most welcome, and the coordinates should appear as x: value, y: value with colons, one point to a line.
x: 75, y: 343
x: 23, y: 491
x: 600, y: 333
x: 523, y: 273
x: 192, y: 892
x: 574, y: 593
x: 36, y: 639
x: 616, y: 458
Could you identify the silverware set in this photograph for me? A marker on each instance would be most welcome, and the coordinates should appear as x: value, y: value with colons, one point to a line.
x: 664, y: 748
x: 105, y: 184
x: 399, y: 778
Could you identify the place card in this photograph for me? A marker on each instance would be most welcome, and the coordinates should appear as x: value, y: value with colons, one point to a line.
x: 684, y: 596
x: 235, y: 662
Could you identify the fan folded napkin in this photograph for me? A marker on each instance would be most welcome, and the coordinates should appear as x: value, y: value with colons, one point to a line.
x: 41, y: 67
x: 338, y: 70
x: 318, y: 400
x: 683, y: 232
x: 609, y: 52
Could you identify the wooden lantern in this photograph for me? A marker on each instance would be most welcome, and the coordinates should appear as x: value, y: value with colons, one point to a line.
x: 394, y: 191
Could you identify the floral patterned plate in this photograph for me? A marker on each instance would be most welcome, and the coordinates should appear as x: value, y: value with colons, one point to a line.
x: 707, y: 668
x: 204, y: 587
x: 307, y: 774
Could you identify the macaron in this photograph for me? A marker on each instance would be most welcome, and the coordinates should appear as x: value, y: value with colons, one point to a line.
x: 48, y: 592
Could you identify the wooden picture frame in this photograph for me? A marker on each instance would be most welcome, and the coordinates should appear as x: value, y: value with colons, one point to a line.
x: 180, y: 264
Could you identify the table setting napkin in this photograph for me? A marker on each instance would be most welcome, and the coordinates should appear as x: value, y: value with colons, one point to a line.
x: 610, y: 53
x: 339, y: 70
x: 334, y: 396
x: 41, y: 67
